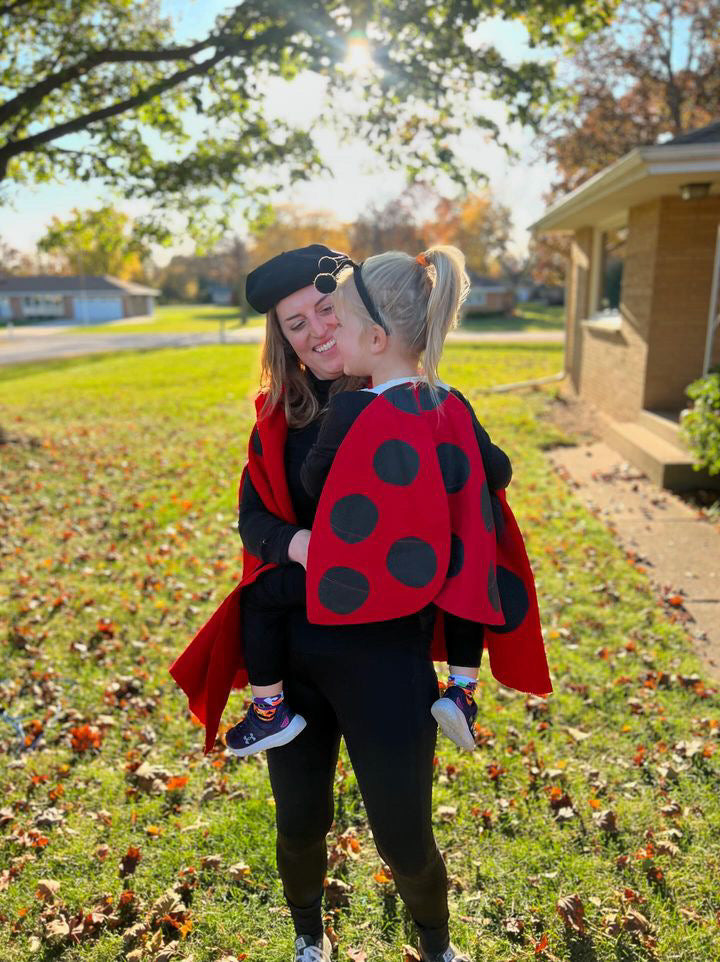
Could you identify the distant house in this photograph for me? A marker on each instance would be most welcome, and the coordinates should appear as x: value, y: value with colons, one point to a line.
x: 81, y: 299
x: 641, y: 302
x: 550, y: 294
x: 220, y: 294
x: 488, y: 295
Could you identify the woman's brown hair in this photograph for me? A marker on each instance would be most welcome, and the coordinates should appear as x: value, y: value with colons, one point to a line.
x: 283, y: 377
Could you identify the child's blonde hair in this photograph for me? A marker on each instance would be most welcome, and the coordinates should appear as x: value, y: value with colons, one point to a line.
x: 418, y: 298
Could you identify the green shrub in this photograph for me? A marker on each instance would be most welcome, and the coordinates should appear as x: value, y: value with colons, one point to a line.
x: 701, y: 422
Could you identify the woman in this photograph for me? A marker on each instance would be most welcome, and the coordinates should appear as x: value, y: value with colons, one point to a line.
x: 373, y: 684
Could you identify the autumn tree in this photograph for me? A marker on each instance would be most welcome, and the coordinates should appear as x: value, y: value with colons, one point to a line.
x: 89, y: 86
x: 289, y: 226
x: 395, y: 224
x: 477, y: 224
x: 13, y: 261
x: 653, y: 72
x: 101, y: 241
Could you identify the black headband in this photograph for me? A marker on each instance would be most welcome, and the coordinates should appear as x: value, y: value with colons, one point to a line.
x: 326, y: 283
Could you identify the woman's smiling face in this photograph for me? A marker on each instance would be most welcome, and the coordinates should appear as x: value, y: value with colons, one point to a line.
x: 307, y: 320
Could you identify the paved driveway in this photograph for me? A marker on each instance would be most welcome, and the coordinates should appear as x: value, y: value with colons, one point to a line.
x: 52, y: 341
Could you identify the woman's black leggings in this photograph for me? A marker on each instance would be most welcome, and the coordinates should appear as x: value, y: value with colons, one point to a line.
x: 374, y: 685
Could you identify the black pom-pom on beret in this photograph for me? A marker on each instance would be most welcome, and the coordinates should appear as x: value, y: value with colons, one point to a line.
x: 284, y: 274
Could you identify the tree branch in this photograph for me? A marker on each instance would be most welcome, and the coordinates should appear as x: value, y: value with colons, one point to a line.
x: 34, y: 95
x: 12, y: 7
x: 80, y: 123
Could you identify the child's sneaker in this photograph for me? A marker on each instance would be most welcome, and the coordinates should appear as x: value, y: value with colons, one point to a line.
x: 309, y: 950
x: 455, y: 714
x: 451, y: 954
x: 254, y: 734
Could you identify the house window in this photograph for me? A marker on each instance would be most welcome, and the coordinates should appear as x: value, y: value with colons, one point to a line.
x: 612, y: 262
x: 43, y: 305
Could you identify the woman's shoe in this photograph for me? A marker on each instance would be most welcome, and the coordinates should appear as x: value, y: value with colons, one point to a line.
x: 456, y: 716
x: 451, y: 954
x: 308, y: 949
x: 253, y: 734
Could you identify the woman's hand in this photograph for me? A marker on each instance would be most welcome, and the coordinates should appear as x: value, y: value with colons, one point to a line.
x: 298, y: 547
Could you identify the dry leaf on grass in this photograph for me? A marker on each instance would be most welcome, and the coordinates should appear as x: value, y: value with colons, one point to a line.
x: 571, y: 911
x: 47, y: 889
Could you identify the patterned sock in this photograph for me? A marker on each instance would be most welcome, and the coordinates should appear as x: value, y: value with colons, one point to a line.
x: 467, y: 684
x: 265, y: 707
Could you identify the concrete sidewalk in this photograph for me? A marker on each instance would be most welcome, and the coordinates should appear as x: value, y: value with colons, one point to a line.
x: 677, y: 545
x: 19, y: 348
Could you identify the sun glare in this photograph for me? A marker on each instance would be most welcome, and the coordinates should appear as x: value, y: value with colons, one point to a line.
x: 358, y: 57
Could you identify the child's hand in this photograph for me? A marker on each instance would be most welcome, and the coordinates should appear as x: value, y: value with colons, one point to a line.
x: 298, y: 547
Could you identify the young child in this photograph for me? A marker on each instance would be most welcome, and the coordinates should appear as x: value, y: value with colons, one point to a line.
x: 381, y: 336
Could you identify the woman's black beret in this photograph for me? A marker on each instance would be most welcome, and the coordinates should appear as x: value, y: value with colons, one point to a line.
x: 283, y: 275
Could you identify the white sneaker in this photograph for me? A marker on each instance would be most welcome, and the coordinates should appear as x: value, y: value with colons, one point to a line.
x: 451, y: 954
x: 309, y: 950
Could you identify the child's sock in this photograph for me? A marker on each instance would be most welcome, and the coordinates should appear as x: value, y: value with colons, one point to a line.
x: 265, y: 707
x: 467, y: 684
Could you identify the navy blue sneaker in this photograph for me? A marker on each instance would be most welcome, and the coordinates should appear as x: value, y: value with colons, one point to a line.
x: 253, y: 734
x: 456, y: 716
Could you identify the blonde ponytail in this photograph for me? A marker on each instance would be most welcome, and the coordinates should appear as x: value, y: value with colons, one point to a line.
x: 418, y: 298
x: 449, y: 290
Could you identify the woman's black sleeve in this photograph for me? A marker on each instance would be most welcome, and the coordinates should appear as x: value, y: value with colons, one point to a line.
x: 264, y: 534
x: 342, y: 411
x: 498, y: 468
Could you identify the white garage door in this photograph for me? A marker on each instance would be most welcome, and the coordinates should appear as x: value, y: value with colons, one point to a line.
x: 98, y: 308
x: 4, y: 307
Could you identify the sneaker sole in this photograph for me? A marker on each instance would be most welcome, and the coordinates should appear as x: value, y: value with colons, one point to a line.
x: 272, y: 741
x: 453, y: 723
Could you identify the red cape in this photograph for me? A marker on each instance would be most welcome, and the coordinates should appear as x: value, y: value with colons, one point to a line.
x: 212, y: 664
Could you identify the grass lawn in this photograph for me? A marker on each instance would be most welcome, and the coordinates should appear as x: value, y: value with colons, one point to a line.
x: 528, y: 316
x: 585, y: 828
x: 177, y: 319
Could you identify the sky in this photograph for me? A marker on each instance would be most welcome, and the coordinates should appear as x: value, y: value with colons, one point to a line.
x: 358, y: 181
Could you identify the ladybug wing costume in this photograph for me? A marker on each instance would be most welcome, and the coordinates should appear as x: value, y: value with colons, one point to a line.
x: 405, y: 519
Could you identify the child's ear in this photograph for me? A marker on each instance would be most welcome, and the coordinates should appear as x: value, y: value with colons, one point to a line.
x: 378, y: 340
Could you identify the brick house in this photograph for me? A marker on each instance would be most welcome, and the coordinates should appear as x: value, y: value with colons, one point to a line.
x: 641, y: 294
x: 488, y: 295
x: 82, y: 299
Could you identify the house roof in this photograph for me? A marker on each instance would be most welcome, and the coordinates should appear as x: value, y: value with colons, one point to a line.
x: 68, y: 284
x: 643, y: 174
x: 710, y: 134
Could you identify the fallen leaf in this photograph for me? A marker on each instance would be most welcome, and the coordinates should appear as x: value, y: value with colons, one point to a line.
x: 47, y: 889
x: 239, y: 871
x: 571, y: 911
x: 56, y: 930
x: 129, y: 861
x: 577, y: 734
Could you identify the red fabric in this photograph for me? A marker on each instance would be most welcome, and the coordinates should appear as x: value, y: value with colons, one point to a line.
x: 415, y: 516
x: 349, y: 580
x: 212, y: 664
